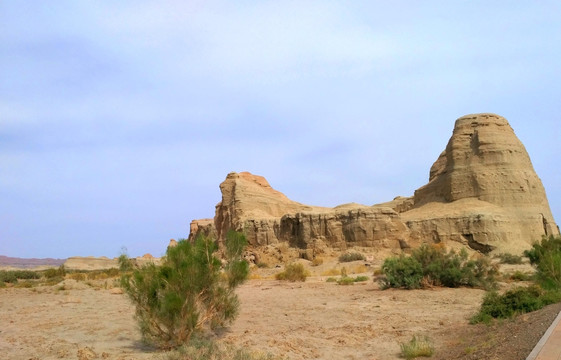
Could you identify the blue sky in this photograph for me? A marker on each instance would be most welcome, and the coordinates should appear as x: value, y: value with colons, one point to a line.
x: 118, y: 120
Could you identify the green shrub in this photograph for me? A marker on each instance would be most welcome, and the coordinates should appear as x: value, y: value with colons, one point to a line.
x: 8, y: 277
x: 351, y: 256
x: 516, y: 301
x: 417, y: 347
x: 293, y: 272
x: 331, y: 279
x: 546, y: 257
x: 507, y: 258
x: 548, y: 245
x: 431, y: 266
x: 188, y: 293
x: 53, y: 273
x: 403, y: 271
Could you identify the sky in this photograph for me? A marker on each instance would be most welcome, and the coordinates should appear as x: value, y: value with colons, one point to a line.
x: 119, y: 119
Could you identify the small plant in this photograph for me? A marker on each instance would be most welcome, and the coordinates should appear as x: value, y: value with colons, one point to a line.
x: 507, y: 258
x: 293, y: 272
x: 351, y: 256
x: 417, y: 347
x: 331, y: 279
x: 188, y: 293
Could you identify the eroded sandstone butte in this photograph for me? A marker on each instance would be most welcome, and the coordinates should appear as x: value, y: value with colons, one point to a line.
x: 482, y: 192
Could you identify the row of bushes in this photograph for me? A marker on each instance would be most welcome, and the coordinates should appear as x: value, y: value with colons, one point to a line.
x: 12, y: 276
x: 55, y: 275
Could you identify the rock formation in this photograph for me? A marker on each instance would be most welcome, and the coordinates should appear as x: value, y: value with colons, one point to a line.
x: 251, y: 205
x: 482, y: 193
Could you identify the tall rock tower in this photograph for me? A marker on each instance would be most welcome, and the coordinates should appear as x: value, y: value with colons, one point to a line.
x: 483, y: 190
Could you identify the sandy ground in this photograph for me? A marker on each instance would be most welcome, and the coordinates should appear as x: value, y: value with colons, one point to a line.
x: 311, y: 320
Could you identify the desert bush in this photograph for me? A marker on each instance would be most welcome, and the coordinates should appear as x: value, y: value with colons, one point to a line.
x: 8, y: 277
x: 546, y: 257
x: 516, y: 301
x: 331, y: 279
x: 520, y: 276
x: 540, y: 249
x: 402, y: 271
x: 293, y: 272
x: 347, y: 280
x: 78, y: 276
x: 417, y: 347
x: 351, y: 256
x: 55, y: 273
x: 188, y: 293
x: 432, y: 266
x: 507, y: 258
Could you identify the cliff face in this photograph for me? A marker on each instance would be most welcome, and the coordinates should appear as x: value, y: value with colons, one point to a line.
x: 482, y: 193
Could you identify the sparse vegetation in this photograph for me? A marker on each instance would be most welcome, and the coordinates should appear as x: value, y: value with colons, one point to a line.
x: 347, y: 280
x: 507, y: 258
x: 203, y: 349
x: 546, y: 257
x: 188, y: 293
x: 519, y: 276
x: 432, y: 266
x: 293, y: 272
x: 351, y: 256
x: 331, y: 272
x: 417, y: 347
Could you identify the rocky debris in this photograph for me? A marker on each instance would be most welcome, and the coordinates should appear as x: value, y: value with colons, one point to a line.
x: 483, y: 193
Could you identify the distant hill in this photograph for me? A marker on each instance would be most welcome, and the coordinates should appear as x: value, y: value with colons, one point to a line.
x: 29, y: 263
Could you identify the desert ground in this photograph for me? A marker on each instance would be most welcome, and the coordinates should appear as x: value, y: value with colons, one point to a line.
x: 302, y: 320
